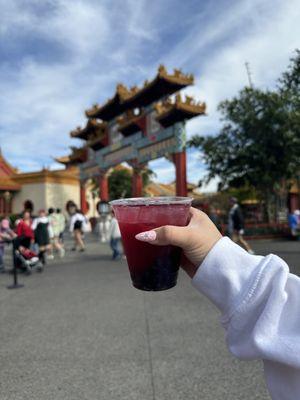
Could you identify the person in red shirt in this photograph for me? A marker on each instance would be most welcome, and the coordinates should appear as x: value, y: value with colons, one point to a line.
x: 24, y: 230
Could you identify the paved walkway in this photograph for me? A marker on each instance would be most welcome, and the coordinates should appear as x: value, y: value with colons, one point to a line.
x: 80, y: 331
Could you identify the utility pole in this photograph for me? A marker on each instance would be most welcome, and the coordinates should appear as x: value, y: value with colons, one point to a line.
x: 247, y: 65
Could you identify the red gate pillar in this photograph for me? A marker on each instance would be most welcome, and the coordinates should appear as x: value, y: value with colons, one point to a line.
x: 137, y: 178
x: 103, y: 186
x: 137, y: 183
x: 179, y: 160
x: 83, y: 202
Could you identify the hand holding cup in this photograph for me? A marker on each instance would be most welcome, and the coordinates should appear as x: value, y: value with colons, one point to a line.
x: 196, y: 239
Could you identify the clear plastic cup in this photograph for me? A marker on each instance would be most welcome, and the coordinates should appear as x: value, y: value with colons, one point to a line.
x: 151, y: 267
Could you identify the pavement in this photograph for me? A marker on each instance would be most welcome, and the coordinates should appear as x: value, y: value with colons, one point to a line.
x: 80, y: 331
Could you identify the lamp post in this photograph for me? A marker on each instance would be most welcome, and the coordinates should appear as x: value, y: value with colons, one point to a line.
x: 103, y: 209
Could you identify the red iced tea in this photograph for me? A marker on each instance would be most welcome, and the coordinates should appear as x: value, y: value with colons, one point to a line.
x: 151, y: 267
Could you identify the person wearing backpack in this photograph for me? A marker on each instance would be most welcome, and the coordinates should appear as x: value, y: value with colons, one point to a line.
x: 78, y: 227
x: 42, y: 234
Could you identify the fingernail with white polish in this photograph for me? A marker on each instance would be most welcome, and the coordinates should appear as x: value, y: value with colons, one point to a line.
x: 148, y: 236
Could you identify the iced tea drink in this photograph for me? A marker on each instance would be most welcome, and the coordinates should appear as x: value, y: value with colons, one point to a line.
x: 151, y: 267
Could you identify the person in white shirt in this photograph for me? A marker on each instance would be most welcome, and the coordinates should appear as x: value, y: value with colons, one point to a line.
x: 114, y: 236
x: 78, y: 225
x: 258, y: 297
x: 42, y: 234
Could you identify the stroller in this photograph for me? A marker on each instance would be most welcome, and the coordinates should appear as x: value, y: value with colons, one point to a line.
x: 25, y: 259
x: 28, y: 260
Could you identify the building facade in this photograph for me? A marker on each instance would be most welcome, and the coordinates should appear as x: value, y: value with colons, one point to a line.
x: 37, y: 190
x: 45, y: 189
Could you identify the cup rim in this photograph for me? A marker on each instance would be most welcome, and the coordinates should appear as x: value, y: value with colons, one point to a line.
x: 153, y: 201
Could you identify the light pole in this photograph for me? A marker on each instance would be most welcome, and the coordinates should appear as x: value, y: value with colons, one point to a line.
x: 103, y: 209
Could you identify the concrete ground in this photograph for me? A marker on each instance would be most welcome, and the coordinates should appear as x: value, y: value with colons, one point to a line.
x: 80, y: 331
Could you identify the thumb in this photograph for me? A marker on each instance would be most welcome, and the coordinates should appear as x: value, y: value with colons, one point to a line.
x: 164, y: 235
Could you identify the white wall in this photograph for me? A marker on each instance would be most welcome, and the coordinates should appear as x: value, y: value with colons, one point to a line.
x: 57, y: 195
x: 46, y: 195
x: 31, y: 191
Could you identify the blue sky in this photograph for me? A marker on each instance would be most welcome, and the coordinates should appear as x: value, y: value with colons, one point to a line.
x: 58, y: 57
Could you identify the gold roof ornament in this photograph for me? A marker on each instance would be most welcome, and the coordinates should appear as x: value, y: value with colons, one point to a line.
x: 77, y: 155
x: 174, y: 110
x: 76, y: 132
x: 122, y: 91
x: 162, y: 71
x: 163, y: 84
x: 178, y: 99
x: 92, y: 125
x: 113, y: 106
x: 133, y: 90
x: 187, y: 79
x: 63, y: 160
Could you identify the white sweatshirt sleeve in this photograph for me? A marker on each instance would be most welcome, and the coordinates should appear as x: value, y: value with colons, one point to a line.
x: 260, y: 304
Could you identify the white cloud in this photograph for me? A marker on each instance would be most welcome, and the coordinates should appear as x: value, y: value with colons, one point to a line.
x: 79, y: 26
x: 164, y: 169
x: 103, y: 43
x: 47, y: 100
x: 267, y: 46
x: 211, y: 187
x: 137, y: 24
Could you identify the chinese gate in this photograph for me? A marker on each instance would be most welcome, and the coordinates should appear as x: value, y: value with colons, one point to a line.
x: 137, y: 125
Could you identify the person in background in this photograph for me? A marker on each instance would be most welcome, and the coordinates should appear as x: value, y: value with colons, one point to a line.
x: 78, y: 225
x: 42, y: 233
x: 259, y: 303
x: 294, y: 225
x: 24, y: 230
x: 6, y: 236
x: 297, y: 213
x: 114, y: 236
x: 213, y: 215
x: 25, y: 235
x: 62, y: 224
x: 236, y: 225
x: 55, y: 231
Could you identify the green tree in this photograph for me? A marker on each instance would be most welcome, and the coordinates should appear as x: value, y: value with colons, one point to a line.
x: 147, y: 176
x: 259, y: 144
x: 289, y: 88
x: 119, y: 184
